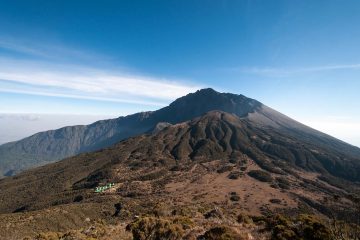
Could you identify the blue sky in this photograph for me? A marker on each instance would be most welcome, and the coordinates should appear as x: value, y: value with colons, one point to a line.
x: 119, y: 57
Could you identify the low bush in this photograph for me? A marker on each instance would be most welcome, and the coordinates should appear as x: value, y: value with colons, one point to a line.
x: 225, y: 168
x: 304, y: 227
x: 235, y: 198
x: 283, y: 183
x: 78, y: 198
x: 149, y: 228
x: 235, y: 175
x: 243, y: 168
x: 233, y: 160
x: 185, y: 222
x: 275, y: 201
x: 221, y: 233
x: 215, y: 213
x: 243, y: 218
x: 260, y: 175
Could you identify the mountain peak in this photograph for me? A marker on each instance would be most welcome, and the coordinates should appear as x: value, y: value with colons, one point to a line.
x: 205, y: 100
x: 220, y: 97
x: 207, y: 91
x: 54, y: 145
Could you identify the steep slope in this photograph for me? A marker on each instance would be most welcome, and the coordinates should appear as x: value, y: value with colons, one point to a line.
x: 214, y: 136
x: 53, y: 145
x: 50, y: 146
x: 199, y: 163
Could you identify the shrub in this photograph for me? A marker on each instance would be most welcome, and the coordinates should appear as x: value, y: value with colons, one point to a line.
x: 21, y: 209
x: 215, y: 213
x: 118, y: 207
x: 221, y: 233
x: 225, y: 168
x: 243, y: 218
x: 283, y: 183
x: 304, y: 227
x: 235, y: 175
x: 185, y: 222
x: 48, y: 236
x: 281, y: 232
x: 274, y: 200
x: 312, y: 228
x: 235, y: 198
x: 148, y: 228
x: 78, y: 198
x: 260, y: 175
x: 175, y: 168
x: 233, y: 160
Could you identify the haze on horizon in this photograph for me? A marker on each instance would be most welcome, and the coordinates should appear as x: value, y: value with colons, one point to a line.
x: 89, y: 58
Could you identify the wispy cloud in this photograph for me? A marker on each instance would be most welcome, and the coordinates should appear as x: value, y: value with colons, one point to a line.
x: 81, y: 82
x: 10, y: 45
x: 43, y: 72
x: 79, y: 96
x: 278, y: 72
x: 46, y: 50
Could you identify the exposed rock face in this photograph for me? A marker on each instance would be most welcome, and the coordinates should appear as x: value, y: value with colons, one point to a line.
x: 160, y: 126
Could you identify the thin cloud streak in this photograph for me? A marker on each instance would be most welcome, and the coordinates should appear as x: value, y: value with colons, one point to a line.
x: 9, y: 45
x: 49, y: 51
x: 45, y: 74
x: 101, y: 83
x: 73, y: 96
x: 270, y: 71
x: 88, y: 83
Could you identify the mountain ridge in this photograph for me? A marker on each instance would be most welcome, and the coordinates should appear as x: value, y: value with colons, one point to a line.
x: 214, y: 161
x: 53, y: 145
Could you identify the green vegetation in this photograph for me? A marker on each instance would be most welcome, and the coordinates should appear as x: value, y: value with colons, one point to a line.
x: 149, y: 228
x: 225, y: 168
x: 243, y: 218
x: 260, y: 175
x: 214, y: 225
x: 222, y: 233
x: 235, y: 175
x: 215, y: 213
x: 283, y: 183
x: 234, y: 197
x: 304, y: 227
x: 78, y: 198
x: 275, y: 200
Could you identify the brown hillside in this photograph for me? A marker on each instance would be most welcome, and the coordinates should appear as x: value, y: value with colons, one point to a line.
x: 217, y: 160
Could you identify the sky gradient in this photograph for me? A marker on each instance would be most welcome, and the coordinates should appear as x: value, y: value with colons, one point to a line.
x: 119, y: 57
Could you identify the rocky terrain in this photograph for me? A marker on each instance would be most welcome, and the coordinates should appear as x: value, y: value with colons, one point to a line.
x: 50, y: 146
x: 220, y: 175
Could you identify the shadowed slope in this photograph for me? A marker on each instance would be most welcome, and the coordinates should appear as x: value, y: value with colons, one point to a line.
x: 216, y: 138
x: 49, y: 146
x: 53, y: 145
